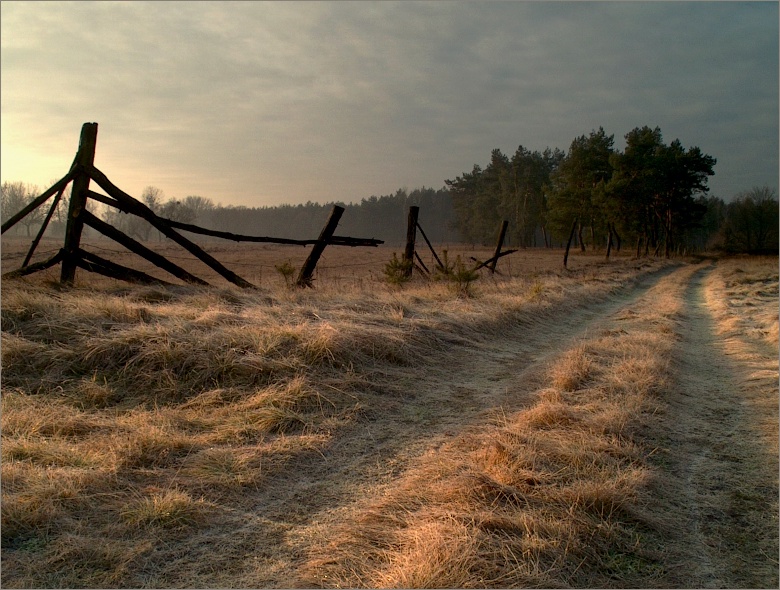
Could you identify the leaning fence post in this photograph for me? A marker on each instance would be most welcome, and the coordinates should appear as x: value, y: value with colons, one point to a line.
x: 568, y: 244
x: 78, y: 200
x: 307, y: 270
x: 411, y: 236
x: 500, y: 245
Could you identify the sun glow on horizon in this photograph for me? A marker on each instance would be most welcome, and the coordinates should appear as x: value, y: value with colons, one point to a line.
x: 33, y: 166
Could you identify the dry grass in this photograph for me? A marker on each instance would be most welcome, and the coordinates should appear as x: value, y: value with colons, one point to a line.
x: 164, y: 508
x: 743, y: 293
x: 142, y: 425
x: 548, y: 496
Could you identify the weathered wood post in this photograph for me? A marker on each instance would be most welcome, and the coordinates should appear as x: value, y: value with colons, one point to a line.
x: 430, y: 246
x: 568, y: 244
x: 411, y: 236
x: 499, y: 245
x: 609, y: 239
x: 307, y: 270
x: 78, y: 200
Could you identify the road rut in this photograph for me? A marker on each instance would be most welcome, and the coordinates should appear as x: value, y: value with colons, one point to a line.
x: 717, y: 475
x: 723, y: 471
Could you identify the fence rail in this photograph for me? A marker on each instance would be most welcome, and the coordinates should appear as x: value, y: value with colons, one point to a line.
x: 72, y: 256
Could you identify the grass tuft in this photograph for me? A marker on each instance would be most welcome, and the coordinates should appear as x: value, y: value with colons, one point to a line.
x: 572, y: 371
x: 168, y: 509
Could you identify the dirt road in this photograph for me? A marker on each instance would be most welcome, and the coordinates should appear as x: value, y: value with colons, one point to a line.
x: 714, y: 449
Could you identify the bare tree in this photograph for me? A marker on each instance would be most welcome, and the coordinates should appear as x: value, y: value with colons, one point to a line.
x: 200, y: 206
x: 751, y: 222
x: 14, y: 196
x: 177, y: 211
x: 139, y: 228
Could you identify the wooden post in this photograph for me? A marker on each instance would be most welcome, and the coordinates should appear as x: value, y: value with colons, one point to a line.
x: 427, y: 241
x: 94, y: 263
x: 411, y: 236
x: 609, y: 239
x: 490, y: 261
x: 500, y: 244
x: 78, y: 200
x: 28, y: 270
x: 307, y: 270
x: 422, y: 266
x: 568, y: 244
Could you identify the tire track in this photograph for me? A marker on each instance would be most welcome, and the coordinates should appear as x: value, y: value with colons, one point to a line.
x: 516, y: 389
x: 468, y: 384
x: 461, y: 387
x: 716, y: 494
x: 719, y: 484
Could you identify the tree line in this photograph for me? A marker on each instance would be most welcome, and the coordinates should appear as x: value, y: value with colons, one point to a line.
x: 651, y: 196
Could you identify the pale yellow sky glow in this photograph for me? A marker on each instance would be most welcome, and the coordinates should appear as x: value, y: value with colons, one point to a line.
x: 263, y: 103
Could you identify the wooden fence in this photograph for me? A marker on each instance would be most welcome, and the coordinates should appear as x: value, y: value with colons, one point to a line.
x: 413, y: 260
x: 72, y: 256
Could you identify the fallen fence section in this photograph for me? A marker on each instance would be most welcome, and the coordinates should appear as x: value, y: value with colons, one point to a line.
x: 72, y: 256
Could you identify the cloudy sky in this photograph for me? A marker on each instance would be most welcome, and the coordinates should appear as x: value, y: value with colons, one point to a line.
x: 256, y: 104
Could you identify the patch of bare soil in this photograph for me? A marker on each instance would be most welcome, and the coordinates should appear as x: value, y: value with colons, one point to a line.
x: 720, y: 456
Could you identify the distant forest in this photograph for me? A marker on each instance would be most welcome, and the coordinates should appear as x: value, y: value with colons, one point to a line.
x: 651, y: 197
x: 383, y: 218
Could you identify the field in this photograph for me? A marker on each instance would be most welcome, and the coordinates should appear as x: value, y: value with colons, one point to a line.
x: 610, y: 425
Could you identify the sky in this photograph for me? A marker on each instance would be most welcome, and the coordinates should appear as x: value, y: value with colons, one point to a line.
x: 268, y: 103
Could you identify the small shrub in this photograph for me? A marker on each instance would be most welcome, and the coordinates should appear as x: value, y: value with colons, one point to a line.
x: 287, y: 270
x: 398, y: 271
x: 462, y: 277
x: 445, y: 269
x: 536, y: 291
x: 457, y: 273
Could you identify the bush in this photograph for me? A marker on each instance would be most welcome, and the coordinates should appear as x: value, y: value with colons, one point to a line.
x: 287, y: 270
x: 457, y: 273
x: 398, y: 271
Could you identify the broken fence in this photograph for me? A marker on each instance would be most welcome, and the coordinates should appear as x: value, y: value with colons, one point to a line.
x: 72, y: 256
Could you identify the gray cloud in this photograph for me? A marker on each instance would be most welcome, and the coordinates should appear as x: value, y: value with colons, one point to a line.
x: 263, y: 103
